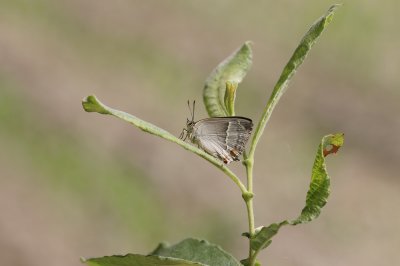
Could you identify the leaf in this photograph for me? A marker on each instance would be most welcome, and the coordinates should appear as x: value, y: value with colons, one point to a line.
x: 136, y: 260
x: 317, y: 194
x: 229, y: 98
x: 295, y: 61
x: 188, y: 252
x: 92, y: 104
x: 262, y: 239
x: 232, y: 69
x: 199, y: 251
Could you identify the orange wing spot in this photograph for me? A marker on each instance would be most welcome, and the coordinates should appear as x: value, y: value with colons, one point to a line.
x: 224, y: 159
x: 330, y: 149
x: 234, y: 152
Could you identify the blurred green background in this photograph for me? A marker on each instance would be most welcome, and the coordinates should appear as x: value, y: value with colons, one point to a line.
x: 76, y: 184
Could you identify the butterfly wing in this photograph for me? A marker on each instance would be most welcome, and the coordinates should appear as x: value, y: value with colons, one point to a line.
x: 223, y: 137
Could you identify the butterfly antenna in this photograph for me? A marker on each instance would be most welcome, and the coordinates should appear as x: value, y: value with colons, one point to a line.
x: 190, y: 110
x: 194, y: 104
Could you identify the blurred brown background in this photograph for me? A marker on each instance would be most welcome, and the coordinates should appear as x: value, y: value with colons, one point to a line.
x: 76, y: 184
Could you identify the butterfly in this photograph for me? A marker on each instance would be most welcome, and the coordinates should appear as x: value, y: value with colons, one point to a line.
x: 222, y: 137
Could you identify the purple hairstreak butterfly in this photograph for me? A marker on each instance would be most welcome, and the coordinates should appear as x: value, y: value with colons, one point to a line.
x: 222, y: 137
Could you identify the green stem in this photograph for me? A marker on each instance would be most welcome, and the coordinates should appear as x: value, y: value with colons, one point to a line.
x: 92, y: 104
x: 235, y: 179
x: 289, y: 70
x: 250, y: 215
x: 273, y: 100
x: 248, y: 162
x: 255, y: 254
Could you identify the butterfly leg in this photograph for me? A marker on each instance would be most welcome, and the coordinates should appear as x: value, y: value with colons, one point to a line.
x: 183, y: 134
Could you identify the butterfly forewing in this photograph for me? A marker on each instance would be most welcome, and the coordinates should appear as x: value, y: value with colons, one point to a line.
x: 223, y: 137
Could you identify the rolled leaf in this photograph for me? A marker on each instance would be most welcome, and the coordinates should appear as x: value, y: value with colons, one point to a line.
x: 232, y: 69
x: 317, y: 194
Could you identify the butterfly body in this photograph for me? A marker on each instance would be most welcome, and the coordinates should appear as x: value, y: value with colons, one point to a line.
x: 222, y: 137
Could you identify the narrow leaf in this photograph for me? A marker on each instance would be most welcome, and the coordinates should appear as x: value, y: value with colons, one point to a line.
x: 136, y: 260
x: 232, y: 69
x: 92, y: 104
x: 199, y: 251
x: 317, y: 194
x: 230, y: 96
x: 295, y: 61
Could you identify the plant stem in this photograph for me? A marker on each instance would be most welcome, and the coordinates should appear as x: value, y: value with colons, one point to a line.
x: 248, y: 162
x: 234, y: 178
x: 92, y: 104
x: 250, y: 215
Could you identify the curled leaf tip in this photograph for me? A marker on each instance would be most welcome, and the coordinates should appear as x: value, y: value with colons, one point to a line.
x: 247, y: 47
x: 330, y: 12
x: 92, y: 104
x: 335, y: 6
x: 333, y: 144
x: 233, y: 69
x: 330, y: 149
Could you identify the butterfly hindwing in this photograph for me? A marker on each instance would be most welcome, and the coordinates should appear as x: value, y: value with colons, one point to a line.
x: 223, y: 137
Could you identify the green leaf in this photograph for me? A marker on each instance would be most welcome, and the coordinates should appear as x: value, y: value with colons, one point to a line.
x: 317, y: 194
x: 199, y: 251
x: 262, y: 238
x: 138, y: 260
x: 92, y: 104
x: 295, y: 61
x: 233, y: 69
x: 230, y: 96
